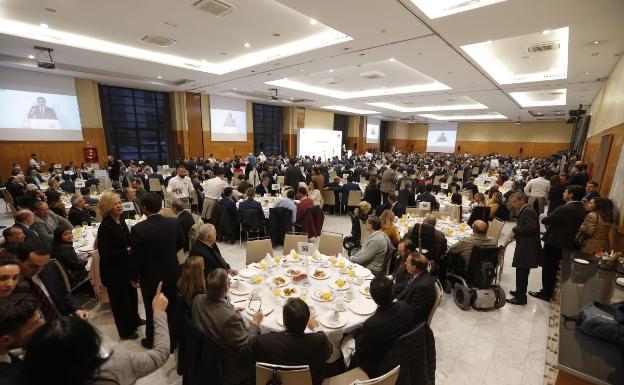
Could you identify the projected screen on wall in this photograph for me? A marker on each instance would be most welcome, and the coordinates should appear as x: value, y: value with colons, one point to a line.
x: 228, y: 119
x: 317, y: 142
x: 441, y: 137
x: 372, y: 130
x: 33, y: 108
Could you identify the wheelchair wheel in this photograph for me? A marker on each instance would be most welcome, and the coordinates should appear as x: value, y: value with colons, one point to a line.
x: 501, y: 297
x: 447, y: 286
x: 462, y: 297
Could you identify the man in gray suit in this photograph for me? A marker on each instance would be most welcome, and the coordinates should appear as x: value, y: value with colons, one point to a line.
x: 463, y: 248
x: 373, y: 251
x: 46, y: 222
x: 222, y: 323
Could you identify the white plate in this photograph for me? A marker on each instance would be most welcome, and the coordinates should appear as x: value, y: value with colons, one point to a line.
x: 323, y: 277
x: 265, y: 308
x: 294, y: 294
x: 248, y: 272
x: 334, y: 285
x: 327, y: 321
x: 292, y: 258
x: 363, y: 306
x: 363, y: 290
x: 620, y: 281
x: 290, y: 271
x: 318, y: 298
x: 242, y: 289
x: 581, y: 261
x: 362, y: 272
x: 272, y: 281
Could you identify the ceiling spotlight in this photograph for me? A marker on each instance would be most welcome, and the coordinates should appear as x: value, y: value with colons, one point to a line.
x: 235, y: 89
x: 301, y: 70
x: 546, y: 32
x: 313, y: 21
x: 331, y: 70
x: 517, y: 121
x: 31, y: 56
x: 586, y: 73
x: 43, y: 25
x: 391, y: 59
x: 247, y: 45
x: 596, y: 42
x: 159, y: 77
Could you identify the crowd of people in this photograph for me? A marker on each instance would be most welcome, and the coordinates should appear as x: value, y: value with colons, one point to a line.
x: 45, y: 336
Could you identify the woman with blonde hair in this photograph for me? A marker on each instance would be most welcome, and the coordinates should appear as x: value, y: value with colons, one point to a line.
x: 113, y: 244
x: 388, y: 227
x: 363, y: 211
x: 315, y: 194
x: 191, y: 281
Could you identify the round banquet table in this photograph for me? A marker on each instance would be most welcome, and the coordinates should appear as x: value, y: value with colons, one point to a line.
x: 453, y: 231
x: 267, y: 270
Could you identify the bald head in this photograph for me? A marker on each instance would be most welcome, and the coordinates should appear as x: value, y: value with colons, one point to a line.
x: 479, y: 227
x: 25, y: 217
x: 430, y: 220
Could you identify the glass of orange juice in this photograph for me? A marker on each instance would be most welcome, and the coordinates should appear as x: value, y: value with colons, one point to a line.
x: 340, y: 283
x: 277, y: 259
x: 263, y: 264
x: 258, y: 278
x: 325, y: 295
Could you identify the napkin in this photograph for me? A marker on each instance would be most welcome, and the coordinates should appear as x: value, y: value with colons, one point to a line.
x: 269, y: 260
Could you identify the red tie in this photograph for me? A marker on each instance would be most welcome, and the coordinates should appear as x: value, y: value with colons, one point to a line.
x: 48, y: 310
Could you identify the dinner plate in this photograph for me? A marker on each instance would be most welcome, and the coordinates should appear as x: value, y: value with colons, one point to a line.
x: 293, y: 272
x: 247, y: 272
x: 363, y: 306
x: 365, y: 289
x: 239, y: 289
x: 325, y: 276
x: 293, y: 258
x: 284, y: 279
x: 291, y: 290
x: 362, y: 272
x: 265, y: 308
x: 620, y: 281
x: 581, y: 261
x: 328, y: 321
x: 315, y: 296
x: 334, y: 285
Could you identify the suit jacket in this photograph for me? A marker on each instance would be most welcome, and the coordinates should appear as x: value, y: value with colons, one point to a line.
x: 37, y: 113
x: 528, y: 244
x: 53, y: 281
x: 407, y: 197
x: 463, y: 247
x: 155, y: 243
x: 420, y: 296
x: 471, y: 186
x: 373, y: 252
x: 211, y: 255
x: 45, y: 227
x: 372, y: 195
x: 426, y: 197
x: 388, y: 181
x: 261, y: 190
x: 76, y: 216
x: 285, y: 348
x: 399, y: 209
x: 563, y: 224
x: 30, y: 234
x: 229, y: 330
x: 580, y: 179
x: 292, y: 177
x: 230, y: 207
x: 186, y: 221
x: 10, y: 372
x: 376, y: 337
x: 113, y: 241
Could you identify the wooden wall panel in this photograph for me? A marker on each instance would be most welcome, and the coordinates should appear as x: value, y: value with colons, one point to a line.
x: 290, y: 144
x: 592, y: 149
x: 222, y: 150
x: 300, y: 117
x: 194, y: 119
x: 511, y: 148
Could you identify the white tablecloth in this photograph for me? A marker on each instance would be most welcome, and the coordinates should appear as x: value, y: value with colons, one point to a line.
x: 453, y: 231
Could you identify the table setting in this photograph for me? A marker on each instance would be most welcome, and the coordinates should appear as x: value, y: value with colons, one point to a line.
x: 453, y: 230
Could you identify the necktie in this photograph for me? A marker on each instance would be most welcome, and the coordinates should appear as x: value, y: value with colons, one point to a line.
x: 48, y: 310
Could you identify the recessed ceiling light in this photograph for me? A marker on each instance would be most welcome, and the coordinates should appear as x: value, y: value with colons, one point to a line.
x: 468, y: 104
x: 546, y: 32
x: 540, y: 98
x: 31, y: 56
x: 350, y: 109
x: 489, y: 42
x: 436, y: 8
x: 391, y: 59
x: 292, y: 98
x: 331, y: 70
x: 247, y: 45
x: 235, y: 89
x: 301, y: 70
x: 313, y: 21
x: 596, y: 42
x: 159, y: 77
x: 586, y: 73
x: 43, y: 25
x: 204, y: 61
x: 483, y: 116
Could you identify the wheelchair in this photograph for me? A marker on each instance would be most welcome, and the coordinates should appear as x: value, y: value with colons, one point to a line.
x: 477, y: 285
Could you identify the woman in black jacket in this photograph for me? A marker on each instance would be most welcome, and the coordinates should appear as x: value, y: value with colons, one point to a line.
x: 372, y: 194
x: 555, y: 194
x: 113, y: 244
x: 63, y: 251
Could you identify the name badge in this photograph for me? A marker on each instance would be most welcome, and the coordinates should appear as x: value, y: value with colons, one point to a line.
x: 79, y: 183
x: 444, y: 186
x: 128, y: 206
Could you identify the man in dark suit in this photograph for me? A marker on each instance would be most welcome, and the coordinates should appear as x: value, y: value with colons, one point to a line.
x: 293, y: 175
x: 45, y: 281
x: 155, y: 243
x: 206, y: 247
x: 349, y: 186
x: 471, y: 186
x: 251, y: 204
x: 528, y: 246
x: 24, y: 219
x: 393, y: 204
x: 579, y: 177
x: 19, y: 319
x: 137, y: 185
x: 420, y: 293
x: 406, y: 195
x: 428, y: 197
x: 78, y: 214
x: 264, y: 187
x: 114, y: 169
x: 292, y: 346
x: 591, y: 191
x: 41, y: 111
x: 376, y: 337
x: 561, y: 228
x: 185, y: 220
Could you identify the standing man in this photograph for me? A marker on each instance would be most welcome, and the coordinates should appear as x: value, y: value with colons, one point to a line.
x: 293, y: 175
x: 528, y: 246
x: 114, y: 168
x: 537, y: 190
x: 561, y: 228
x: 181, y: 186
x: 213, y: 188
x: 155, y: 243
x: 388, y: 183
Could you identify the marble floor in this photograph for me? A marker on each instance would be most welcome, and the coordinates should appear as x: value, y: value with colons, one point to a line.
x: 503, y: 347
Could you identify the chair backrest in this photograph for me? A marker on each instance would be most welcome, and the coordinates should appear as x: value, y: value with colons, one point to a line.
x: 475, y: 170
x: 495, y: 228
x: 436, y: 180
x: 354, y: 198
x: 330, y: 243
x: 402, y: 185
x: 280, y: 180
x: 363, y: 180
x: 453, y: 189
x: 290, y: 241
x: 479, y: 255
x: 94, y: 189
x: 285, y: 375
x: 412, y: 210
x: 6, y: 195
x: 389, y: 378
x: 249, y: 219
x: 363, y: 232
x: 440, y: 214
x: 61, y: 269
x: 257, y: 249
x: 154, y: 185
x: 329, y: 198
x: 459, y: 174
x: 438, y: 290
x: 425, y: 206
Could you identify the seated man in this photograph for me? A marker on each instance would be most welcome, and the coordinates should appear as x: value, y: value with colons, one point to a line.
x: 406, y: 196
x: 185, y: 219
x: 46, y: 222
x: 376, y: 336
x: 292, y: 346
x: 428, y: 197
x: 393, y: 204
x: 13, y: 238
x: 24, y: 219
x: 78, y: 213
x: 463, y: 247
x: 137, y: 185
x: 251, y: 204
x: 289, y: 203
x: 400, y: 275
x: 471, y: 186
x: 206, y: 247
x: 349, y: 186
x: 68, y: 185
x: 45, y: 282
x: 19, y: 319
x: 419, y: 293
x: 264, y: 187
x: 373, y: 252
x: 228, y: 204
x: 440, y: 239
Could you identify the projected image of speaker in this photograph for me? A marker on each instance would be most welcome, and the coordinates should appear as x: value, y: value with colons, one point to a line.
x: 441, y: 137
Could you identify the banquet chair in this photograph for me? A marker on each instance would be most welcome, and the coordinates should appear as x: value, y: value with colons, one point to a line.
x: 154, y: 185
x: 425, y: 206
x: 412, y: 210
x: 438, y: 290
x: 354, y: 198
x: 347, y: 378
x: 291, y: 240
x: 330, y: 243
x: 363, y: 232
x: 389, y: 378
x: 329, y: 198
x: 258, y: 249
x: 495, y: 228
x: 363, y: 181
x: 249, y: 222
x: 280, y: 180
x: 284, y: 375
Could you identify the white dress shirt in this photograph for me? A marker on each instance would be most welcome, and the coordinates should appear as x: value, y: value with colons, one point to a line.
x: 537, y: 187
x: 213, y: 188
x: 180, y: 187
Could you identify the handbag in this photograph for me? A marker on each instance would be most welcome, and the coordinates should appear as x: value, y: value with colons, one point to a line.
x: 580, y: 239
x: 602, y: 321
